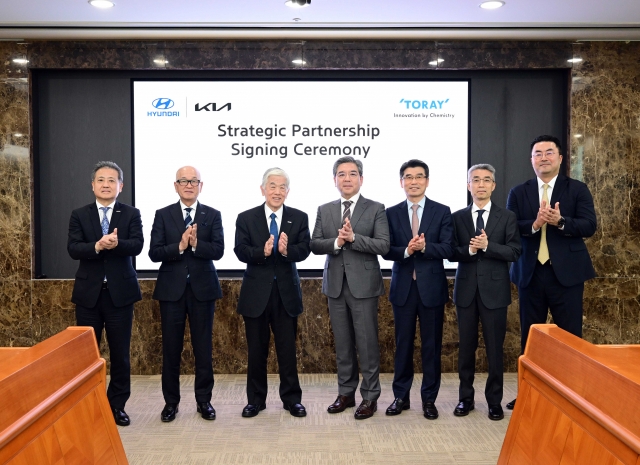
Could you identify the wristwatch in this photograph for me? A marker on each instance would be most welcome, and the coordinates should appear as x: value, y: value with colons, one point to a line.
x: 561, y: 222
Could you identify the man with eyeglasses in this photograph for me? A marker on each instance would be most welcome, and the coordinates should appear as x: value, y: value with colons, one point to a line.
x: 554, y: 214
x: 186, y: 237
x: 485, y: 241
x: 103, y: 236
x: 421, y: 238
x: 352, y: 232
x: 271, y: 238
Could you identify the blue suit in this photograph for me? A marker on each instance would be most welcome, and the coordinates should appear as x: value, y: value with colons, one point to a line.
x: 423, y: 298
x: 559, y: 284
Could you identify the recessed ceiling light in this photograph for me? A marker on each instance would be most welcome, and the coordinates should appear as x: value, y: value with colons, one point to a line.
x: 492, y: 5
x: 435, y: 62
x: 297, y: 3
x: 577, y: 136
x: 299, y: 62
x: 21, y: 61
x: 17, y: 134
x: 575, y: 60
x: 102, y: 3
x: 160, y: 61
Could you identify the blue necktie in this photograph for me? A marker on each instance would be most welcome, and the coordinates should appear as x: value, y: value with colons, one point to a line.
x: 187, y: 219
x: 105, y: 220
x: 273, y: 229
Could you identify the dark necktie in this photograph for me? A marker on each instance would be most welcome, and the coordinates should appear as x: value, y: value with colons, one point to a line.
x: 347, y: 210
x: 479, y: 223
x: 415, y: 226
x: 273, y: 230
x: 187, y: 219
x: 105, y: 220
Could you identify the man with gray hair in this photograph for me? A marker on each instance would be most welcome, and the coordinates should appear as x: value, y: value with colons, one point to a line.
x: 103, y: 236
x: 271, y: 238
x: 352, y: 232
x: 486, y: 239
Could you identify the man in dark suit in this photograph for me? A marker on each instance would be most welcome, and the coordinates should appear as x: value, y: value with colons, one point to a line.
x: 104, y: 235
x: 186, y: 237
x: 482, y: 289
x: 270, y: 239
x: 352, y: 232
x: 421, y: 238
x: 554, y: 214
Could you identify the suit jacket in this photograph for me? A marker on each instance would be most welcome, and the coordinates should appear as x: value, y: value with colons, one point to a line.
x: 567, y: 250
x: 252, y: 232
x: 168, y: 227
x: 358, y: 262
x: 84, y: 231
x: 487, y: 272
x: 430, y: 276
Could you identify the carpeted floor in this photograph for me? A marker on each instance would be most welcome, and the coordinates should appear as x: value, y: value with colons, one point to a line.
x: 275, y: 437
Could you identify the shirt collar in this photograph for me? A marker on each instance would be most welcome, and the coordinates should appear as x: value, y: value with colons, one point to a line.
x: 551, y: 183
x: 486, y: 208
x: 183, y: 206
x: 421, y: 203
x: 111, y: 205
x: 353, y: 199
x: 268, y: 211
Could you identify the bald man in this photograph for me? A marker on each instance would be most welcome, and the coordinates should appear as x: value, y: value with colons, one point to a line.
x: 186, y: 237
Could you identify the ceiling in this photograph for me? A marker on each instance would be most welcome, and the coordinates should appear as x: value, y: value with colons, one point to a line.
x: 321, y: 13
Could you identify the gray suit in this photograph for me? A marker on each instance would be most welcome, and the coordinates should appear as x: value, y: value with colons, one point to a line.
x: 352, y: 281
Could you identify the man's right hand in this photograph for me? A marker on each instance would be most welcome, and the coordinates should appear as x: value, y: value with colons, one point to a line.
x: 540, y: 221
x: 268, y: 246
x: 184, y: 241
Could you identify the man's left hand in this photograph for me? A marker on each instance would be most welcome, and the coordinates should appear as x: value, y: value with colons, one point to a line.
x: 193, y: 237
x: 552, y: 215
x: 283, y: 241
x: 480, y: 242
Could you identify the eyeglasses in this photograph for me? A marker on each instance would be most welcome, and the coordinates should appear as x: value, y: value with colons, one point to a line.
x: 548, y: 154
x: 410, y: 178
x: 481, y: 180
x: 193, y: 182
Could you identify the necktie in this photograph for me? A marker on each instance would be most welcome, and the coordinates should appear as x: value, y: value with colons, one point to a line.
x: 187, y: 219
x: 479, y: 223
x: 415, y: 225
x: 543, y: 252
x: 105, y: 220
x: 273, y: 230
x: 347, y: 210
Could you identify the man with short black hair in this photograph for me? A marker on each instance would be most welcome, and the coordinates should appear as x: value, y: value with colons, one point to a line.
x: 421, y: 238
x: 554, y: 214
x: 104, y: 235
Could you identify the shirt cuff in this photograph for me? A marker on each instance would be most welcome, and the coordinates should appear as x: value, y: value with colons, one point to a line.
x: 472, y: 252
x: 406, y: 253
x: 335, y: 245
x: 534, y: 230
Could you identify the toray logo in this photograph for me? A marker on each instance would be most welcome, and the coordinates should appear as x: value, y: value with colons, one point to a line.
x: 163, y: 104
x: 423, y: 104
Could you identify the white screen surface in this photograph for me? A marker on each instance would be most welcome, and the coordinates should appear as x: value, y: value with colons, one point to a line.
x: 304, y: 126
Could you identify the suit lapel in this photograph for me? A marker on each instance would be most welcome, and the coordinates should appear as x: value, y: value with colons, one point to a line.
x: 494, y: 218
x: 115, y: 217
x: 94, y: 216
x: 427, y: 215
x: 200, y: 215
x: 558, y: 189
x: 361, y: 206
x: 287, y: 220
x: 336, y: 215
x: 531, y: 191
x: 405, y: 224
x: 468, y: 222
x: 176, y: 214
x: 261, y: 221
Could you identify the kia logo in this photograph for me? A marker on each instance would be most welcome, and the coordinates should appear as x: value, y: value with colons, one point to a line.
x: 163, y: 103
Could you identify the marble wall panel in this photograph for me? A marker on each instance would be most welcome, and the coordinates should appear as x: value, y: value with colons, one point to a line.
x: 16, y: 326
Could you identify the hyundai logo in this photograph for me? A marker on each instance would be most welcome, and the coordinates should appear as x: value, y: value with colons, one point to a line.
x: 163, y: 103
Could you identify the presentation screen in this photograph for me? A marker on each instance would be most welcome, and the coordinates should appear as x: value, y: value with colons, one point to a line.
x: 233, y: 131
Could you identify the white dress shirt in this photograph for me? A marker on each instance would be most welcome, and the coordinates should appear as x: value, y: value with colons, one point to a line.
x: 352, y: 207
x: 278, y: 212
x: 109, y: 212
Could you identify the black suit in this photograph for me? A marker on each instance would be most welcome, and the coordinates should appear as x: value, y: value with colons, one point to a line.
x: 482, y: 292
x: 270, y: 296
x: 187, y: 285
x: 558, y: 285
x: 112, y: 308
x: 422, y: 298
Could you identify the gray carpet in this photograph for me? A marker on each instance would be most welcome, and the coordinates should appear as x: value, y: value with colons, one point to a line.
x: 275, y: 437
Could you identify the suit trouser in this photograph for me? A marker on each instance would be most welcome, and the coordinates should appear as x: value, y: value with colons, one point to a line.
x: 545, y: 293
x: 117, y: 323
x: 355, y: 328
x: 174, y: 316
x: 284, y: 327
x: 494, y: 329
x: 431, y: 320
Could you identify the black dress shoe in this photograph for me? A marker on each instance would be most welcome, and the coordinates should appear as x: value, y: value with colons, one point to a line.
x: 341, y: 403
x: 169, y: 412
x: 121, y: 417
x: 206, y: 410
x: 430, y: 410
x: 296, y: 410
x: 495, y: 412
x: 251, y: 410
x: 511, y: 404
x: 366, y: 409
x: 397, y: 406
x: 463, y: 408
